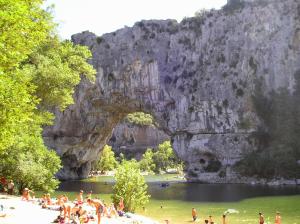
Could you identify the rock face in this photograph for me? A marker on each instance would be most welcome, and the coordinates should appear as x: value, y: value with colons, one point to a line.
x: 195, y: 77
x: 133, y: 140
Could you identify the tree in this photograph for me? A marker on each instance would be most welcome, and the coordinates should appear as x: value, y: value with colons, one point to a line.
x: 38, y: 72
x: 23, y: 25
x: 107, y: 159
x: 278, y: 139
x: 164, y: 157
x: 56, y: 68
x: 130, y: 185
x: 147, y: 162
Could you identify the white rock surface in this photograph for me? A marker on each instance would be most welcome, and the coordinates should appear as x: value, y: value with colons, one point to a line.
x: 195, y: 77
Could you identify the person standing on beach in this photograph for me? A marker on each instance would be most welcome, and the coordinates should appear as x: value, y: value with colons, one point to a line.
x: 99, y: 207
x: 261, y: 218
x: 277, y: 218
x: 80, y: 197
x: 10, y: 187
x: 194, y: 214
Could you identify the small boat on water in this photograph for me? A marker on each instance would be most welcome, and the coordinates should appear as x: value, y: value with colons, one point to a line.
x: 164, y: 184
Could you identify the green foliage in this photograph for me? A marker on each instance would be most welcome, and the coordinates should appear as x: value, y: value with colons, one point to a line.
x: 279, y: 147
x: 147, y: 163
x: 28, y: 162
x: 131, y: 186
x: 161, y: 159
x: 164, y: 157
x: 107, y: 159
x: 245, y: 123
x: 37, y: 73
x: 201, y: 13
x: 23, y: 26
x: 56, y: 68
x: 140, y: 118
x: 233, y: 6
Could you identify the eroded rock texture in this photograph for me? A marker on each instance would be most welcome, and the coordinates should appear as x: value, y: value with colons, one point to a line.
x: 195, y: 77
x: 133, y: 140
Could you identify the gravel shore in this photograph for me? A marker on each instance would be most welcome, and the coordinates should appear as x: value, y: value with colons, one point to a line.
x: 17, y: 211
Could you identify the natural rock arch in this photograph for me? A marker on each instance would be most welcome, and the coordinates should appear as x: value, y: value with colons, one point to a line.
x: 195, y: 77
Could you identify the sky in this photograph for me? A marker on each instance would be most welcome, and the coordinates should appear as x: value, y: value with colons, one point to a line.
x: 105, y: 16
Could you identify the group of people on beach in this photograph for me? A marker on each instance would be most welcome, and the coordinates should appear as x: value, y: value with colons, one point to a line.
x: 224, y: 221
x: 82, y: 210
x: 6, y: 186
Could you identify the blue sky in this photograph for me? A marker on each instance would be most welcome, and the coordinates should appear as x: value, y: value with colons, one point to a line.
x: 104, y: 16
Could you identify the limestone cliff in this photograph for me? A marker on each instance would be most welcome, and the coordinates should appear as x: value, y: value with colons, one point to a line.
x: 133, y: 140
x: 195, y: 77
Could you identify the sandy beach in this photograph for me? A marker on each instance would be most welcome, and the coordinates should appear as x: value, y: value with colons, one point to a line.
x: 17, y: 211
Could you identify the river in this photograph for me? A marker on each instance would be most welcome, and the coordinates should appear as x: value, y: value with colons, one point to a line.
x: 180, y: 190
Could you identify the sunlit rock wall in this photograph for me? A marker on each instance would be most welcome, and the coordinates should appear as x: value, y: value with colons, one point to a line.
x: 195, y: 77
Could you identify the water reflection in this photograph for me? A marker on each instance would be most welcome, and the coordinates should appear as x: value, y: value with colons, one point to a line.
x: 195, y: 192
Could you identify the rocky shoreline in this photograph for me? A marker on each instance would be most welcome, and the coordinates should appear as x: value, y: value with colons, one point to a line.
x: 214, y: 178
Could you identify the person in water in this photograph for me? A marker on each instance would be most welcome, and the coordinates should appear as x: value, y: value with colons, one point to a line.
x: 261, y: 218
x: 210, y: 219
x: 194, y: 214
x: 224, y: 219
x: 99, y: 207
x: 277, y: 218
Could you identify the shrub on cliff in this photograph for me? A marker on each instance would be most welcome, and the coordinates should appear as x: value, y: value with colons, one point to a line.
x: 130, y: 185
x: 140, y: 118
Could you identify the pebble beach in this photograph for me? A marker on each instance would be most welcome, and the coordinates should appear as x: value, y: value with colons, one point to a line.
x: 17, y: 211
